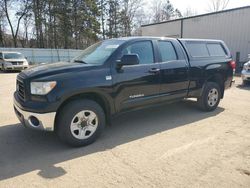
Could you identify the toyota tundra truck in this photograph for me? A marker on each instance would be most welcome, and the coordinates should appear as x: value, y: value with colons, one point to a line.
x: 77, y: 99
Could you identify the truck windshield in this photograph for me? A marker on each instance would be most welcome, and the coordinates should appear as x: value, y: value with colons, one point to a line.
x: 13, y: 56
x: 98, y: 53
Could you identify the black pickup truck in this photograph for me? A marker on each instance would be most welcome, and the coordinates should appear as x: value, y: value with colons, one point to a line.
x: 77, y: 99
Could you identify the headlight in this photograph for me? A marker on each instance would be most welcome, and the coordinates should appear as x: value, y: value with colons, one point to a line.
x: 25, y: 63
x: 41, y: 88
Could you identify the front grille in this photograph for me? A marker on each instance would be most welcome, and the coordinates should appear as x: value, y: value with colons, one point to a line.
x: 17, y: 63
x: 20, y: 89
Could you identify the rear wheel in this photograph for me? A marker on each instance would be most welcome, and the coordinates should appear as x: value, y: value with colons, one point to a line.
x: 210, y: 98
x: 80, y: 122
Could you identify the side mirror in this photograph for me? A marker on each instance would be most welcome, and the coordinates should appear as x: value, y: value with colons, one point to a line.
x: 130, y: 59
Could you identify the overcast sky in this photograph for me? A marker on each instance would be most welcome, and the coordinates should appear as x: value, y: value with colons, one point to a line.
x: 201, y: 6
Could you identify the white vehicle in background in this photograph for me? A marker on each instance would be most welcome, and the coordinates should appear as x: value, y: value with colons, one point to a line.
x: 245, y: 74
x: 12, y: 61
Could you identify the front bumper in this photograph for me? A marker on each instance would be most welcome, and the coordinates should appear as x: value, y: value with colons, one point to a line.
x: 37, y: 121
x: 16, y: 67
x: 245, y: 75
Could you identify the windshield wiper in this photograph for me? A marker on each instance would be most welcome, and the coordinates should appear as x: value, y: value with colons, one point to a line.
x: 80, y: 61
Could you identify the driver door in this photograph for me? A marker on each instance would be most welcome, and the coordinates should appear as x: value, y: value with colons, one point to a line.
x: 137, y: 85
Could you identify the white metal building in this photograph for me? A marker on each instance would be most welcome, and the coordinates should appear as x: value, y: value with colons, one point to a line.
x: 231, y: 26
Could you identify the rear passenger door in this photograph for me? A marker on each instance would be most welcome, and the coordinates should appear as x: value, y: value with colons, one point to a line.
x: 174, y: 70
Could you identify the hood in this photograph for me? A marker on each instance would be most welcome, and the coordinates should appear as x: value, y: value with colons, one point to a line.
x: 54, y: 68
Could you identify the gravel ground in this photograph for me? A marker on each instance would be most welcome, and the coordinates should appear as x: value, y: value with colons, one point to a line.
x: 169, y: 146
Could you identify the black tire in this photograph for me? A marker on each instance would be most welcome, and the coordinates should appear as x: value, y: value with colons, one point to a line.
x: 204, y: 103
x: 3, y: 69
x: 245, y: 82
x: 65, y: 118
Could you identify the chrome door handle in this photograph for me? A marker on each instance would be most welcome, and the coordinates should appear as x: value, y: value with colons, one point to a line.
x: 154, y: 70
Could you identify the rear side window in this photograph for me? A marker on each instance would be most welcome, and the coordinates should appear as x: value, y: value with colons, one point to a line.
x: 1, y: 55
x: 205, y: 49
x: 143, y: 49
x: 216, y: 50
x: 167, y: 51
x: 197, y: 49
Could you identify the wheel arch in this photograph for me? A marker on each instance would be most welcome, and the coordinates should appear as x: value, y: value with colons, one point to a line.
x: 217, y: 78
x: 97, y: 97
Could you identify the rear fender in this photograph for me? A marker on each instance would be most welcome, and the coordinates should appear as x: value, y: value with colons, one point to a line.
x: 215, y: 73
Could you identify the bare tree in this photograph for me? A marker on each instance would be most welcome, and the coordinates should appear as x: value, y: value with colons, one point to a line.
x: 1, y: 27
x: 217, y: 5
x: 24, y: 37
x: 25, y: 7
x: 189, y: 12
x: 163, y: 10
x: 129, y: 14
x: 141, y: 18
x: 103, y: 7
x: 157, y: 11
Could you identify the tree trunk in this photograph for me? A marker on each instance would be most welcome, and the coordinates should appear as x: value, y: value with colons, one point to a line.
x: 10, y: 24
x: 1, y: 36
x: 102, y: 19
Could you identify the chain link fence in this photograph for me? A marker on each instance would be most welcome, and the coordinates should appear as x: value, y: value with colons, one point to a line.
x: 41, y: 55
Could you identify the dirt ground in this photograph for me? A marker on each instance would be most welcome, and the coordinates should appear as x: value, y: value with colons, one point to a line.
x: 169, y: 146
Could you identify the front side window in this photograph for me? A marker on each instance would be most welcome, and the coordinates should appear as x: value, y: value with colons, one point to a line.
x: 167, y: 51
x: 143, y: 49
x: 13, y: 56
x: 98, y: 53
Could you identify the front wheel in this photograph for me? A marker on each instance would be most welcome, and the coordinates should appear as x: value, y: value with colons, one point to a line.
x: 244, y: 82
x: 210, y: 98
x: 3, y: 69
x: 80, y: 122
